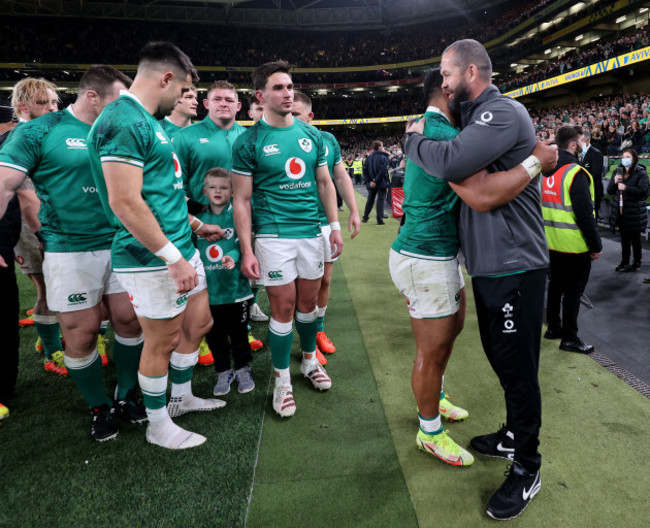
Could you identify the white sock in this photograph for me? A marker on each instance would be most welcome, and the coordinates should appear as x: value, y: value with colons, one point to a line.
x: 183, y: 362
x: 430, y: 425
x: 309, y: 360
x: 321, y: 311
x: 282, y: 377
x: 155, y: 387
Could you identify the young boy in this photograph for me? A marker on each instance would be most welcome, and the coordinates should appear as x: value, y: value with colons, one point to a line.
x: 229, y: 290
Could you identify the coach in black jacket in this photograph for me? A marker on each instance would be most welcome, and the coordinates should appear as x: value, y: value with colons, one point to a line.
x: 377, y: 181
x: 592, y: 160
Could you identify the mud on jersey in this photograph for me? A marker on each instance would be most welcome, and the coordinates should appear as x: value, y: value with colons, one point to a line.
x: 282, y: 163
x: 52, y: 151
x: 201, y: 147
x: 126, y: 133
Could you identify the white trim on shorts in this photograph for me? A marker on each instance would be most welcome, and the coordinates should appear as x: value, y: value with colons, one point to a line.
x: 432, y: 287
x: 153, y: 294
x: 283, y: 260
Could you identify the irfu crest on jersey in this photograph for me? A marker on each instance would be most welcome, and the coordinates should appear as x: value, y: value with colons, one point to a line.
x: 305, y: 144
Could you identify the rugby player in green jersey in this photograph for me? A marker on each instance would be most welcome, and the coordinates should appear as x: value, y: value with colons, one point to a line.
x: 77, y: 239
x: 32, y: 98
x: 424, y: 267
x: 302, y: 110
x: 208, y: 143
x: 279, y: 162
x: 139, y: 180
x: 182, y: 114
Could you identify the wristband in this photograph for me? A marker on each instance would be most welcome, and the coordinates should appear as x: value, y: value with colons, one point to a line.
x: 169, y: 253
x: 532, y: 165
x: 335, y: 226
x: 195, y: 224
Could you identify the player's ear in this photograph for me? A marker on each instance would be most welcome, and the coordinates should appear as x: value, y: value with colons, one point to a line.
x: 311, y: 116
x: 238, y: 106
x: 166, y: 79
x: 260, y: 96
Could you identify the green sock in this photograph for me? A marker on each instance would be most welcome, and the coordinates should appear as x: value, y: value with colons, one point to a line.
x: 306, y: 326
x: 320, y: 320
x: 255, y: 290
x: 50, y: 334
x: 126, y: 354
x: 154, y: 394
x: 88, y: 377
x: 280, y: 341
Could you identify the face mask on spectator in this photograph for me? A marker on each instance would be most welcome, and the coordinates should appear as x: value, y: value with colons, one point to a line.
x: 626, y: 162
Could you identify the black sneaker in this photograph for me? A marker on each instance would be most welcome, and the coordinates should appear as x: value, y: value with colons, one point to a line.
x: 511, y: 499
x: 131, y: 408
x: 498, y: 445
x: 104, y: 425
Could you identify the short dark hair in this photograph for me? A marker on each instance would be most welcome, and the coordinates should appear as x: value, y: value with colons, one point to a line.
x: 263, y: 72
x: 216, y: 172
x: 100, y: 78
x: 302, y: 98
x: 252, y: 100
x: 469, y: 51
x: 170, y: 55
x: 222, y: 85
x: 566, y: 134
x: 432, y: 84
x: 376, y: 145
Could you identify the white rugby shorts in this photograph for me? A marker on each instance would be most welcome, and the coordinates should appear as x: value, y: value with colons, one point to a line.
x: 283, y: 260
x: 327, y: 248
x: 28, y: 252
x: 78, y: 280
x: 153, y: 293
x: 431, y: 287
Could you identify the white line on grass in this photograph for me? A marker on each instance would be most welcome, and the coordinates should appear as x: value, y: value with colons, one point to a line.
x: 259, y: 445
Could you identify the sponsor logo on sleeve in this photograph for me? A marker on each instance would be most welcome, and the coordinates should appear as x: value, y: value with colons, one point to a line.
x: 485, y: 119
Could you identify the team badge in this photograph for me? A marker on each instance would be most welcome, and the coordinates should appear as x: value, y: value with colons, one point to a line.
x: 228, y: 233
x: 214, y: 253
x: 295, y: 168
x: 305, y: 144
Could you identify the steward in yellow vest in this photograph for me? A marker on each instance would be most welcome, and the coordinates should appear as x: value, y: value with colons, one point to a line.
x: 572, y: 236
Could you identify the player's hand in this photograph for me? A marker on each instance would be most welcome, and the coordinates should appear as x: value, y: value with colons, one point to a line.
x: 228, y: 262
x: 596, y: 256
x: 415, y: 126
x: 250, y: 266
x: 336, y: 243
x: 3, y: 264
x: 354, y: 224
x: 546, y: 154
x: 184, y: 275
x: 211, y: 232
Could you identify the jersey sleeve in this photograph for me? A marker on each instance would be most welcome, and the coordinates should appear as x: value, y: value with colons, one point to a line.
x: 243, y: 156
x: 22, y: 150
x: 182, y: 151
x: 321, y: 151
x: 123, y: 140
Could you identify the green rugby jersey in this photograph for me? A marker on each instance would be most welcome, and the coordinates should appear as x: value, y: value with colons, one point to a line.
x: 170, y: 128
x: 333, y: 155
x: 224, y: 286
x: 430, y: 205
x: 52, y: 151
x: 282, y: 163
x: 203, y: 146
x: 126, y: 133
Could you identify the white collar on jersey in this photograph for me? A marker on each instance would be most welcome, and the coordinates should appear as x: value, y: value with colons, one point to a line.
x: 129, y: 94
x: 69, y: 109
x: 436, y: 110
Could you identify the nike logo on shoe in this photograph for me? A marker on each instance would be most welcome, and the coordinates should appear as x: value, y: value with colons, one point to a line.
x: 530, y: 493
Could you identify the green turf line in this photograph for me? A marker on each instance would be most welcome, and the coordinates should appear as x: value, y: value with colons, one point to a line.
x: 595, y: 434
x: 334, y: 462
x: 53, y: 475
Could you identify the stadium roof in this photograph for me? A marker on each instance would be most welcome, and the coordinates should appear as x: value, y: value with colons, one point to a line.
x: 285, y: 14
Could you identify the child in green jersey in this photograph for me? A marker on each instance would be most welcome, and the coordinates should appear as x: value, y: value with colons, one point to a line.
x: 229, y: 290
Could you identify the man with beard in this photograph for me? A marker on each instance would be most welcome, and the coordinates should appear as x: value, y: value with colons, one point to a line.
x: 139, y: 181
x: 506, y: 255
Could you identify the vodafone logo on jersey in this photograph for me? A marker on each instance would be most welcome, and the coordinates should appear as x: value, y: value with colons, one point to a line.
x: 295, y: 168
x: 214, y: 253
x: 178, y: 172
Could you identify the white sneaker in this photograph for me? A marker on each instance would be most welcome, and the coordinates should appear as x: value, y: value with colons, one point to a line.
x: 180, y: 405
x: 283, y: 402
x: 167, y: 434
x: 257, y: 314
x: 316, y: 374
